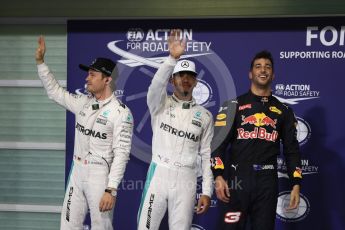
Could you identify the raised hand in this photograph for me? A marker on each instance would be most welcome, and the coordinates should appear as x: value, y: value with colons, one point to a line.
x: 40, y: 51
x: 176, y: 44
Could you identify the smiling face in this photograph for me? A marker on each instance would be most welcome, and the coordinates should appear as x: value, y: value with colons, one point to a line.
x: 261, y: 74
x: 184, y: 83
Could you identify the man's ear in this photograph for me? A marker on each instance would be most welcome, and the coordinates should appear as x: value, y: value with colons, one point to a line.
x: 195, y: 82
x: 250, y: 75
x: 171, y: 80
x: 108, y: 80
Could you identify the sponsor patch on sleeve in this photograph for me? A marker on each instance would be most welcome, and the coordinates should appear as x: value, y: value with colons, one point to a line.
x: 220, y: 123
x: 221, y: 116
x: 128, y: 119
x: 217, y: 163
x: 297, y: 173
x: 275, y: 110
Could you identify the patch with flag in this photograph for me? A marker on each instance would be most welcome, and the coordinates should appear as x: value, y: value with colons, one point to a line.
x: 217, y: 163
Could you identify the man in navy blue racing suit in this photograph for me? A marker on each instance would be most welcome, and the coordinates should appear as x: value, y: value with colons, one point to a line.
x: 254, y: 125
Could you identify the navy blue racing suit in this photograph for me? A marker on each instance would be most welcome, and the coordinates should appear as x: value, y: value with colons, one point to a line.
x: 253, y: 127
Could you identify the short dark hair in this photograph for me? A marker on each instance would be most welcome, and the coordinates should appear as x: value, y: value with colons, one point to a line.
x: 188, y: 72
x: 262, y: 54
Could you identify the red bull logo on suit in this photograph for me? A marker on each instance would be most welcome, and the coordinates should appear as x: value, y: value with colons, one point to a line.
x: 259, y: 119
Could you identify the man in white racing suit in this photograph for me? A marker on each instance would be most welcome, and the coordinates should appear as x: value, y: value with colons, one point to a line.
x: 182, y: 130
x: 103, y: 133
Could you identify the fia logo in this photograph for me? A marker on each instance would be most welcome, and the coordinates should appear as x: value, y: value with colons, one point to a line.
x: 135, y: 35
x: 280, y: 89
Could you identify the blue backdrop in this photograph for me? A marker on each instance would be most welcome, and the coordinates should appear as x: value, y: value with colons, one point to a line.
x: 309, y: 58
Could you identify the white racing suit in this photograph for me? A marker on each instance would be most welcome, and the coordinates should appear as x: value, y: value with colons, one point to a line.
x: 181, y: 131
x: 103, y: 133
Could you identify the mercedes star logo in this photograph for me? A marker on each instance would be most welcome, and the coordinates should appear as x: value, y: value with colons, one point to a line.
x: 184, y: 64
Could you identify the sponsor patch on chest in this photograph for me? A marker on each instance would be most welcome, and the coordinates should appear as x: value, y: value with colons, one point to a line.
x: 101, y: 121
x: 197, y: 123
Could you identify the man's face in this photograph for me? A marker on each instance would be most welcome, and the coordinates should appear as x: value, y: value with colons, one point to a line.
x: 95, y: 82
x: 184, y: 83
x: 261, y: 74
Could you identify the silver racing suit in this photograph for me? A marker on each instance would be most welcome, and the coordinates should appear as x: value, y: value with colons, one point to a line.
x: 181, y: 131
x: 103, y: 133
